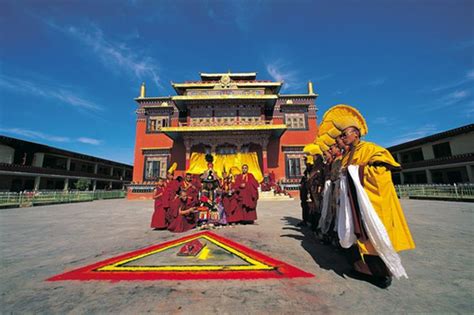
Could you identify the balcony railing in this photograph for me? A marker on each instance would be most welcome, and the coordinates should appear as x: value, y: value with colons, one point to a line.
x: 219, y: 122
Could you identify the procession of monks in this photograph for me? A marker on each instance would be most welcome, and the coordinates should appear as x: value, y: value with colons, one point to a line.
x: 348, y: 198
x: 205, y: 201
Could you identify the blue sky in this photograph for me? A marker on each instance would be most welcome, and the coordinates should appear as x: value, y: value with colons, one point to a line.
x: 69, y: 70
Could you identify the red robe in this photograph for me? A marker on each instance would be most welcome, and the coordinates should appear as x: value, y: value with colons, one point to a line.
x: 158, y: 220
x: 170, y: 191
x: 191, y: 189
x: 230, y: 203
x: 181, y: 223
x: 247, y: 196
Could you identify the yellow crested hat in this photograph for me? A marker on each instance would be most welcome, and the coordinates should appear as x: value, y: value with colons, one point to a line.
x: 327, y: 127
x: 327, y: 140
x: 309, y: 159
x: 312, y: 149
x: 322, y: 145
x: 172, y: 168
x: 345, y: 116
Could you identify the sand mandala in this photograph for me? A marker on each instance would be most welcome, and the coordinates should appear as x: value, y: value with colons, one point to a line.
x: 203, y: 255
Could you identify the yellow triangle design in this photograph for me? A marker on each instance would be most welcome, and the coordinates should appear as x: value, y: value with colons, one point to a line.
x: 252, y: 264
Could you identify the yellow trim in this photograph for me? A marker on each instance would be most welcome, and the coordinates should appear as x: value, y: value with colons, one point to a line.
x: 223, y: 97
x: 184, y: 85
x: 255, y: 264
x: 223, y: 128
x: 230, y: 74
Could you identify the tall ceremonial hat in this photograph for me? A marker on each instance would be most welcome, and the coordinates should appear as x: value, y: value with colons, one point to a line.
x: 309, y: 159
x: 172, y: 168
x: 312, y: 149
x: 327, y: 127
x: 345, y: 116
x: 327, y: 140
x: 322, y: 145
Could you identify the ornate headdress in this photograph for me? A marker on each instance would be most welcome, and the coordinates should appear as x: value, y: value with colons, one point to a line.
x: 345, y: 116
x: 312, y: 149
x: 172, y: 168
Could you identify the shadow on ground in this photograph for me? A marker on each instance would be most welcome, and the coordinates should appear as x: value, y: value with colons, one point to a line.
x: 326, y: 256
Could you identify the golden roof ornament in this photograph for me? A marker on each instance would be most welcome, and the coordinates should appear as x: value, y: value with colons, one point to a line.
x: 142, y: 90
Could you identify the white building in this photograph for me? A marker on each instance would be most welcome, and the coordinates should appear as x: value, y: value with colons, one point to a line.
x: 442, y: 158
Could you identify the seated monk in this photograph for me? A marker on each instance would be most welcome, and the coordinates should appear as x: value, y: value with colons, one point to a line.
x: 181, y: 213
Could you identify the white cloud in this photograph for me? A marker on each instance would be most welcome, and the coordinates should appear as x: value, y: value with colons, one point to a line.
x: 456, y: 97
x: 34, y: 134
x: 469, y: 76
x: 47, y: 90
x: 89, y: 141
x: 279, y: 71
x: 117, y: 56
x: 37, y: 135
x: 414, y: 134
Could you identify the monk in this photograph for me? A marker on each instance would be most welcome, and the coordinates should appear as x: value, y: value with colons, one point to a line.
x: 171, y: 187
x: 181, y: 213
x: 189, y: 185
x: 158, y: 220
x: 375, y: 165
x: 247, y: 194
x: 229, y: 200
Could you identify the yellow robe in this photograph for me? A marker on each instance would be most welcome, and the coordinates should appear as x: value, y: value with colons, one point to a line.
x: 379, y: 187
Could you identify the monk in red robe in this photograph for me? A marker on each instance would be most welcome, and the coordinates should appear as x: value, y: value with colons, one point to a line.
x: 181, y: 213
x: 158, y: 220
x: 188, y: 185
x: 169, y: 193
x: 229, y: 201
x: 247, y: 192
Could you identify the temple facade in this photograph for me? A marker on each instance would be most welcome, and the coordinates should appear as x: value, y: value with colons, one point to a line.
x: 223, y: 113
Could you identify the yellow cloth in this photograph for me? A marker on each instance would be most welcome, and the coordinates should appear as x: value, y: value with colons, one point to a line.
x: 378, y: 184
x: 198, y: 164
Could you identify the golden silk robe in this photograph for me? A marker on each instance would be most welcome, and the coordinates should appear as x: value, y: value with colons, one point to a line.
x: 377, y: 182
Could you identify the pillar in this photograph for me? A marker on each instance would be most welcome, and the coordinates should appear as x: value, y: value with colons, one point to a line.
x: 187, y: 146
x: 66, y: 183
x: 265, y: 161
x: 402, y: 178
x: 470, y: 176
x: 111, y: 171
x: 94, y: 185
x: 96, y: 168
x: 68, y: 164
x: 429, y: 179
x: 37, y: 182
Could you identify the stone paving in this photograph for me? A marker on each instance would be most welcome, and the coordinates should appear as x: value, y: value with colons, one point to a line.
x: 40, y: 242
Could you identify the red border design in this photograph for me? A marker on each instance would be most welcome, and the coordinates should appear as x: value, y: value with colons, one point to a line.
x: 282, y: 270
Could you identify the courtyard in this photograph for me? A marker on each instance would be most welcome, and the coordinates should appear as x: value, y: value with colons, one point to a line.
x: 40, y: 242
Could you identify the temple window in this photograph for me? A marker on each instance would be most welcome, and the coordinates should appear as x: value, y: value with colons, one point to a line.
x: 293, y: 166
x: 155, y: 123
x: 155, y: 166
x: 295, y: 121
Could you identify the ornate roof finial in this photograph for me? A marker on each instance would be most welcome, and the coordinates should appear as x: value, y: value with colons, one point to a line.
x: 143, y: 90
x: 310, y: 87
